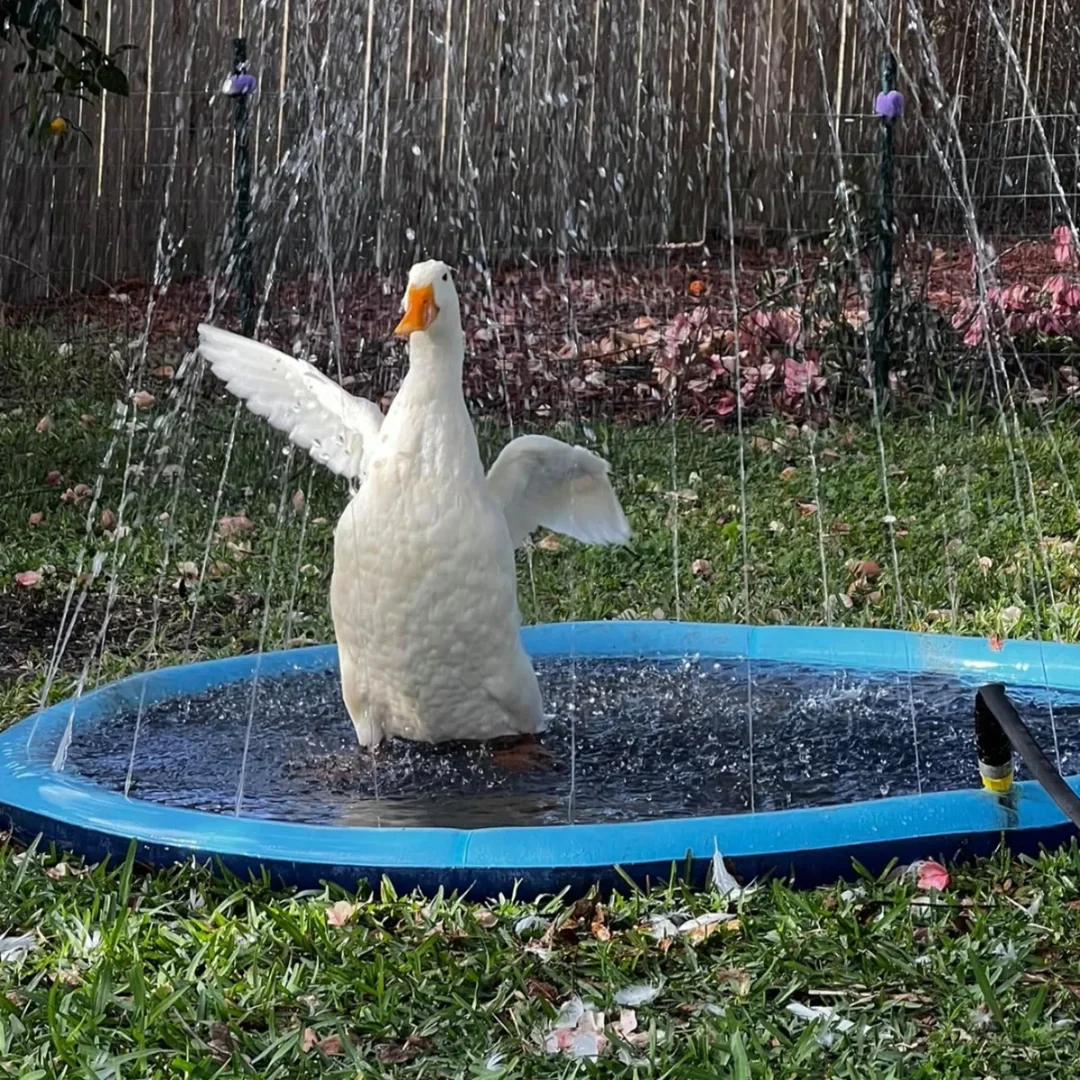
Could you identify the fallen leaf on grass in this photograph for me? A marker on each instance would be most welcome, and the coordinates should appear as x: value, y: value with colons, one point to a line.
x: 298, y: 500
x: 536, y: 988
x: 550, y: 543
x: 331, y: 1046
x: 36, y: 518
x: 865, y: 568
x: 53, y: 478
x: 222, y: 1043
x: 759, y: 442
x: 108, y: 519
x: 807, y: 509
x: 143, y: 399
x: 27, y: 578
x: 338, y: 914
x: 43, y: 425
x: 485, y: 918
x: 701, y: 568
x: 598, y: 924
x: 736, y: 978
x: 412, y: 1047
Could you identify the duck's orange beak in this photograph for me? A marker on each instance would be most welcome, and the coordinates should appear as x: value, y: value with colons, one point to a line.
x: 420, y: 310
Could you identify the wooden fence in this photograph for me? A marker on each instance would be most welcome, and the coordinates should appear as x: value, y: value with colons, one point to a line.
x: 383, y: 129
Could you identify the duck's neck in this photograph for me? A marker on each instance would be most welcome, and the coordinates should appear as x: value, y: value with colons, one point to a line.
x: 437, y: 361
x: 428, y: 421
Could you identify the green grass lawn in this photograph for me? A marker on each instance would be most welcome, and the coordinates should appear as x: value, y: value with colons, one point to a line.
x: 176, y: 974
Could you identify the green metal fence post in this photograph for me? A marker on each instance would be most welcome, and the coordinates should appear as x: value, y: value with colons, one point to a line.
x: 883, y: 268
x: 245, y: 275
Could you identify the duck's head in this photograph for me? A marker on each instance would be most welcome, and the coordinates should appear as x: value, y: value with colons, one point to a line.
x: 430, y: 303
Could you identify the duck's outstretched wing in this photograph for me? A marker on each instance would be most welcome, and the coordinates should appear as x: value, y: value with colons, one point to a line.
x: 335, y: 427
x: 544, y: 482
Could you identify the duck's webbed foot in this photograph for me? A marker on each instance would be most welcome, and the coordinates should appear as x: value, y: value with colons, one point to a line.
x: 519, y: 753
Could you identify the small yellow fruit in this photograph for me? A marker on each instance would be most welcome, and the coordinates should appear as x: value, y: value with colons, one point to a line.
x: 58, y: 125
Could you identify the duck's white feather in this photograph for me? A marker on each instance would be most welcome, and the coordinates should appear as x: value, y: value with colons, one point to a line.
x: 336, y: 428
x: 540, y: 481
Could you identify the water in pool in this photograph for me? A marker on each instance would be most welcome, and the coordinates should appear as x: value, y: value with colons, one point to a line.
x: 650, y: 740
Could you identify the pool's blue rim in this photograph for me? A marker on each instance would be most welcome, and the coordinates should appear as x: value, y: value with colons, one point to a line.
x: 33, y: 797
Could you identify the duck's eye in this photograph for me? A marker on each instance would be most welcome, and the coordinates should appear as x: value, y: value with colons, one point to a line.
x: 446, y: 277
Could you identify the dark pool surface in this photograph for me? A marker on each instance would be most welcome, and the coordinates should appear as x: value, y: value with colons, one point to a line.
x: 646, y: 740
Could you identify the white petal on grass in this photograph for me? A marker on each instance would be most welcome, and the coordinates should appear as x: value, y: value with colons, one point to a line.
x: 721, y: 880
x: 573, y: 1009
x: 529, y: 922
x: 831, y: 1022
x: 632, y: 996
x: 710, y: 918
x: 586, y: 1044
x: 16, y: 947
x: 661, y: 927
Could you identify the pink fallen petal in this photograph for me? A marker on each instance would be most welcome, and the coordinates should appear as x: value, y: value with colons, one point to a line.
x: 230, y: 526
x: 27, y: 578
x: 932, y: 875
x: 338, y: 914
x: 726, y: 405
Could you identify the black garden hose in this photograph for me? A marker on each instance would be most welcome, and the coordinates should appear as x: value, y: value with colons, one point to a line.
x: 998, y: 731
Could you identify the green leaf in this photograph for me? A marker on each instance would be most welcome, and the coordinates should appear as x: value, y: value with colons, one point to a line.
x: 41, y: 18
x: 740, y: 1057
x: 111, y: 78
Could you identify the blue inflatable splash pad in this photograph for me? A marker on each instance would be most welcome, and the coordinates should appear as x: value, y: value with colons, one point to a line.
x: 792, y: 750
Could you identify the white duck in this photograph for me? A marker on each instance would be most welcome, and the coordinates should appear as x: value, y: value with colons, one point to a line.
x: 424, y: 588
